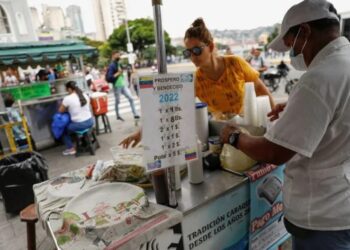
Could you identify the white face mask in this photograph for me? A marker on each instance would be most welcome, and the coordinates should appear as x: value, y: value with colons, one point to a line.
x: 298, y: 61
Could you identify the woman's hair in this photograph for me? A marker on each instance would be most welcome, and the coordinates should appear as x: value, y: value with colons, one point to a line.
x: 199, y: 31
x: 73, y: 85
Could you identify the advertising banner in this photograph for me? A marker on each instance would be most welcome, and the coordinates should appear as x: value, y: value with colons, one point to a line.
x: 222, y: 224
x: 267, y: 230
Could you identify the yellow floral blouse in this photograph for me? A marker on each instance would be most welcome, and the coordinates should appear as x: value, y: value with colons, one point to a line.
x: 226, y: 94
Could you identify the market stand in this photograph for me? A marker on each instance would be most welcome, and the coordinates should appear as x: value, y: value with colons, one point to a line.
x: 37, y: 102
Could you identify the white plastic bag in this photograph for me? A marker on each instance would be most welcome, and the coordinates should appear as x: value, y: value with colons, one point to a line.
x: 235, y: 160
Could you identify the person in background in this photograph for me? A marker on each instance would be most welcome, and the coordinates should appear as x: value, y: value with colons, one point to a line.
x: 27, y: 79
x: 228, y: 52
x: 15, y: 116
x: 10, y: 79
x: 257, y: 61
x: 219, y: 80
x: 89, y: 79
x: 51, y: 76
x: 77, y: 105
x: 42, y: 75
x: 312, y: 133
x: 283, y: 68
x: 115, y: 76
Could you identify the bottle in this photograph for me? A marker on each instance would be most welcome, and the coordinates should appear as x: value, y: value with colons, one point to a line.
x: 160, y: 187
x: 177, y: 177
x: 195, y: 167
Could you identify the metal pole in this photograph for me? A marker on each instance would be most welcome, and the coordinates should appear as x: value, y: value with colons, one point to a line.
x: 162, y: 69
x: 159, y: 35
x: 127, y: 31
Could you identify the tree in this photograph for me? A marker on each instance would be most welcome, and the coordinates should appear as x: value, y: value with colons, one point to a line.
x: 90, y: 42
x: 141, y: 35
x: 93, y: 43
x: 273, y: 35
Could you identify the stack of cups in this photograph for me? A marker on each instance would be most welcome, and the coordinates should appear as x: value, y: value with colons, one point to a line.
x: 250, y: 105
x: 264, y: 107
x: 202, y: 124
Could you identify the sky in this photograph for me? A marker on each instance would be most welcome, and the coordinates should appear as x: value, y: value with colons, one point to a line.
x: 177, y: 15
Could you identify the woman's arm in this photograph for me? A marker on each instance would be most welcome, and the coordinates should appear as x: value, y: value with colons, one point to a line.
x: 132, y: 139
x: 261, y: 89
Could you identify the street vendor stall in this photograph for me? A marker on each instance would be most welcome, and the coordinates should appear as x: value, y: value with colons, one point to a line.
x: 226, y: 211
x: 216, y: 209
x: 38, y: 100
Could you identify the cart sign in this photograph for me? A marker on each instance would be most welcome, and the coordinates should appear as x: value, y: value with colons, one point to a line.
x: 168, y: 119
x: 267, y: 230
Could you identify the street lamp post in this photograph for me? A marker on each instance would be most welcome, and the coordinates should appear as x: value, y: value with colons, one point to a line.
x: 129, y: 47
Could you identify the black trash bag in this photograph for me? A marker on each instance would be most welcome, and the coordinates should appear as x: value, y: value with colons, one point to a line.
x: 18, y: 173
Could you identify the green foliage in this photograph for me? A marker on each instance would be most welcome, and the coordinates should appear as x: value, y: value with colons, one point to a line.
x: 90, y: 42
x: 179, y: 49
x: 93, y: 43
x: 272, y: 35
x: 221, y: 46
x: 149, y: 53
x: 142, y: 37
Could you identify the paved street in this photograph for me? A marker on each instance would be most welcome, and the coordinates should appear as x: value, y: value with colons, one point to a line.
x: 13, y: 232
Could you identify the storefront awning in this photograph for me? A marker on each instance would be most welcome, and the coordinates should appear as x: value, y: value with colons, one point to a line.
x: 43, y: 52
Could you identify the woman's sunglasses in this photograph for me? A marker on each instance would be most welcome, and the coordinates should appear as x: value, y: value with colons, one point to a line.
x: 197, y: 51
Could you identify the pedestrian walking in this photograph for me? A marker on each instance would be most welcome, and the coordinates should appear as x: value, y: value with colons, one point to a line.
x: 115, y: 75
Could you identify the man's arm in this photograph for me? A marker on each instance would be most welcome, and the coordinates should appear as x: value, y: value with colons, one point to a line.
x: 258, y: 147
x: 262, y: 150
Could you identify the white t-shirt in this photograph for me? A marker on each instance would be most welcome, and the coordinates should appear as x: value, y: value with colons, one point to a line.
x: 257, y: 62
x: 77, y: 113
x: 316, y: 125
x: 89, y: 77
x: 11, y: 81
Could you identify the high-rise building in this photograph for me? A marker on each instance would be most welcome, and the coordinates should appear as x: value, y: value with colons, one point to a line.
x: 109, y: 14
x: 15, y: 22
x: 74, y: 14
x: 53, y: 17
x: 35, y: 18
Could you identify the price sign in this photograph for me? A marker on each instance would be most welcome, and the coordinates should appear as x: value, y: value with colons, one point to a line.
x: 168, y: 119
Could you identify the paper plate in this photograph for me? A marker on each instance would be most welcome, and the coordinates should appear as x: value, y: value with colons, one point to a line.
x: 66, y: 186
x: 105, y: 205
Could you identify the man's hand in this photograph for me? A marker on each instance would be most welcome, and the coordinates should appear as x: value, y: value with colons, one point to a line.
x: 274, y: 114
x: 227, y: 131
x: 133, y: 139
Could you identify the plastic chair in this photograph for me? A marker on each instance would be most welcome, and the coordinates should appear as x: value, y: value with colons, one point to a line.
x: 86, y: 141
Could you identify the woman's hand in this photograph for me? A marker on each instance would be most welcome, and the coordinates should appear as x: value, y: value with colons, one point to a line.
x: 133, y: 139
x: 274, y: 114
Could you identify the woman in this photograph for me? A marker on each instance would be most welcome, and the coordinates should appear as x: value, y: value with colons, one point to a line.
x: 219, y: 79
x: 77, y: 105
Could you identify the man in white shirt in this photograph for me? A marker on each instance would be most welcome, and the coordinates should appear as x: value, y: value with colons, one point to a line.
x: 312, y: 133
x: 257, y: 61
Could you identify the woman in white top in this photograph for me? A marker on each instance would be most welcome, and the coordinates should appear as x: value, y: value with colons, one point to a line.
x: 77, y: 105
